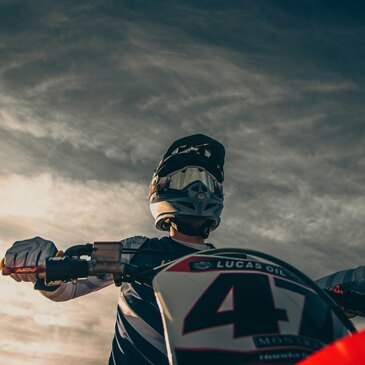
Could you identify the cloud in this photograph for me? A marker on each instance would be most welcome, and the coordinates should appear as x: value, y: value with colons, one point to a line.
x: 66, y: 212
x: 92, y: 94
x: 44, y: 331
x: 125, y: 88
x: 82, y: 211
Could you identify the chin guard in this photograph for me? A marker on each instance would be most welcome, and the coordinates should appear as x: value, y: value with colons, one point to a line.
x: 203, y: 231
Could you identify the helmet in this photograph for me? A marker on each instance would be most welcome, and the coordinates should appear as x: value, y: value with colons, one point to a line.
x: 188, y: 182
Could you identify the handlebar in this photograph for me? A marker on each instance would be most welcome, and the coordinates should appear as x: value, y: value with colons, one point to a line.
x: 103, y: 258
x: 23, y: 270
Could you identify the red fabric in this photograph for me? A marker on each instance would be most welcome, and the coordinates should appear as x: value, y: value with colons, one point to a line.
x: 184, y: 265
x: 347, y: 351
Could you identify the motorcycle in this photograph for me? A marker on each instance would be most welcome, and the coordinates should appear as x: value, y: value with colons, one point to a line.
x: 219, y: 306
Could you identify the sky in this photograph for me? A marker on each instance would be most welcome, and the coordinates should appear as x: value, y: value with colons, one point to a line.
x: 93, y: 92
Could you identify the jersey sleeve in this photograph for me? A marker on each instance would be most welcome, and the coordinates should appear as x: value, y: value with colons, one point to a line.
x: 347, y: 288
x: 91, y: 284
x: 70, y: 291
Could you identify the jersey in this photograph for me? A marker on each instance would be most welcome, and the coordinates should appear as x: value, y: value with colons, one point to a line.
x: 139, y: 337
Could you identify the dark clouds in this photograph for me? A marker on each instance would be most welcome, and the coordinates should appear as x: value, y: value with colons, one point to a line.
x: 97, y: 90
x: 43, y: 332
x: 92, y: 93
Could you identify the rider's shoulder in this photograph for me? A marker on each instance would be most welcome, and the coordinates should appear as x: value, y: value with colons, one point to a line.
x: 146, y: 242
x: 134, y: 241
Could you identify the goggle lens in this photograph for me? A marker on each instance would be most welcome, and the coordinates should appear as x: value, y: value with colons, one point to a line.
x: 183, y: 178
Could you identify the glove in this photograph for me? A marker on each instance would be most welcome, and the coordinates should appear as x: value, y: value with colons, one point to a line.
x: 31, y: 252
x: 350, y: 297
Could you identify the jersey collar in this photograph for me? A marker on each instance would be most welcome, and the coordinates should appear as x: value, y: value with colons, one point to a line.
x: 196, y: 246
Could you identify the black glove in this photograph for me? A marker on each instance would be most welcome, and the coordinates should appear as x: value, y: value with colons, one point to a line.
x: 352, y: 301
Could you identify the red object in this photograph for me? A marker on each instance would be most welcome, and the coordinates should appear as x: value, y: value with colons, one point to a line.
x: 349, y: 350
x: 23, y: 270
x: 337, y: 289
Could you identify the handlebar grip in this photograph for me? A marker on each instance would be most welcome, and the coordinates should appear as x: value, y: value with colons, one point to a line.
x: 63, y: 269
x: 23, y: 270
x: 6, y: 271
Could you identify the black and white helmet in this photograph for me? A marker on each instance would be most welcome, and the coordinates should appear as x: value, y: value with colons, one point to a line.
x: 188, y: 182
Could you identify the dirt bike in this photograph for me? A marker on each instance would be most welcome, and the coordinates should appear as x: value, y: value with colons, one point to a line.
x: 220, y: 306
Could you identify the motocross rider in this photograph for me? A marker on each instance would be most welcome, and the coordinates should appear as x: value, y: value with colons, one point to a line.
x: 186, y: 199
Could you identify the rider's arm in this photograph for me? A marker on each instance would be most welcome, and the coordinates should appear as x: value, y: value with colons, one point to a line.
x: 347, y: 288
x: 69, y: 291
x: 82, y: 287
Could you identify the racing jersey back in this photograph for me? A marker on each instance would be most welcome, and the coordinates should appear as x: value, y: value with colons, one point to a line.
x: 139, y: 337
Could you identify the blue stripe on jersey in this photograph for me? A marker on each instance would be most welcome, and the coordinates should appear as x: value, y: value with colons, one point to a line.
x: 328, y: 284
x: 150, y: 351
x: 131, y: 347
x: 150, y: 314
x: 146, y: 292
x: 123, y: 352
x: 348, y: 275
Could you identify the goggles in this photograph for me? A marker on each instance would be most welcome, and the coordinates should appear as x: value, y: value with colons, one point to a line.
x: 180, y: 179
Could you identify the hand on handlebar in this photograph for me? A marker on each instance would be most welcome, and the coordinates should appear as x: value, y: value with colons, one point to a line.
x: 31, y: 253
x: 37, y: 260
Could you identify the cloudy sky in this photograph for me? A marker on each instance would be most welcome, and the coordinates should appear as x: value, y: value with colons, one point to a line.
x: 92, y: 93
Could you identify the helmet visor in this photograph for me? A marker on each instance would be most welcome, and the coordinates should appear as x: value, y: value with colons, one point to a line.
x: 182, y: 178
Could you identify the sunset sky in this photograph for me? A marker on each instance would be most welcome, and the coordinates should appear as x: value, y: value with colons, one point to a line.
x: 93, y: 92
